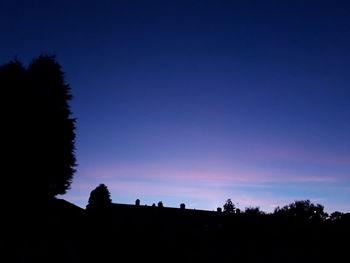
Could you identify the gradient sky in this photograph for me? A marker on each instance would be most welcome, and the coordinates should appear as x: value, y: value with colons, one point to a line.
x: 199, y: 101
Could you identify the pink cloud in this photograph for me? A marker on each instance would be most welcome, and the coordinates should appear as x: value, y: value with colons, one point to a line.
x: 209, y: 183
x: 254, y: 177
x: 200, y: 194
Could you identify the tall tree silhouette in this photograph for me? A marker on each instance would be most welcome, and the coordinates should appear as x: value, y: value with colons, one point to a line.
x: 54, y: 128
x: 39, y: 127
x: 99, y: 198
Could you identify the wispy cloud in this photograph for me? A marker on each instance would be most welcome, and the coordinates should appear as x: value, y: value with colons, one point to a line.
x: 232, y: 177
x: 207, y: 184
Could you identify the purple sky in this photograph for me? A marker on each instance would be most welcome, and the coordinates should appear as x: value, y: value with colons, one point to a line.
x: 196, y: 102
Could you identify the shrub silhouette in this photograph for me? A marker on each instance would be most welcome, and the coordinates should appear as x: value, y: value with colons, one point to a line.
x: 100, y: 198
x: 137, y: 202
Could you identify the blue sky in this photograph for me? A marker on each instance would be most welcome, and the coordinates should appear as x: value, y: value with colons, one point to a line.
x: 200, y: 101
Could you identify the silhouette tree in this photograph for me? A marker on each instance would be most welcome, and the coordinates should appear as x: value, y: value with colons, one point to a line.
x: 39, y: 159
x: 39, y: 127
x: 302, y: 210
x: 253, y: 211
x: 54, y: 129
x: 229, y: 207
x: 335, y: 216
x: 100, y: 198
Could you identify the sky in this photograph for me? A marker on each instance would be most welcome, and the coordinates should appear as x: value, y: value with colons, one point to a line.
x: 199, y: 101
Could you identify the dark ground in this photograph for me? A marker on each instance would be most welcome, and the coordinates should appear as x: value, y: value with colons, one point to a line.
x: 61, y: 232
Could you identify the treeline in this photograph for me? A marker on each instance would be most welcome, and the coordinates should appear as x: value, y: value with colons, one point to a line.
x: 300, y: 210
x: 298, y: 232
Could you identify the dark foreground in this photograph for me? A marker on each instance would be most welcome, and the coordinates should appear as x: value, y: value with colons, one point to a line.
x: 61, y: 232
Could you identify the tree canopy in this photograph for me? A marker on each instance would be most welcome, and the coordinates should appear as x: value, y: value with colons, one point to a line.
x: 302, y: 210
x: 39, y: 127
x: 229, y: 207
x: 100, y: 197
